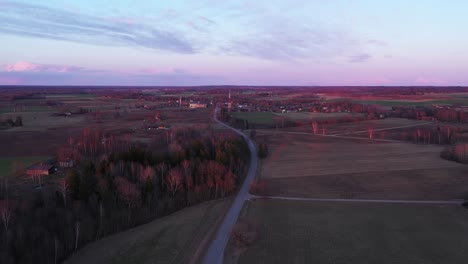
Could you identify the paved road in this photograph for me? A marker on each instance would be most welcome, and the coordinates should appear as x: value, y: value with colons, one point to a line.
x: 458, y: 202
x: 215, y: 253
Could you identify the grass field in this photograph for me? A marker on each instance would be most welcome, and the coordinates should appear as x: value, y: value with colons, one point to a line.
x: 449, y: 101
x: 20, y: 110
x: 41, y: 121
x: 171, y: 239
x: 321, y: 167
x: 256, y: 117
x: 6, y: 164
x: 265, y: 118
x: 323, y: 232
x: 70, y: 96
x: 313, y: 116
x: 352, y: 127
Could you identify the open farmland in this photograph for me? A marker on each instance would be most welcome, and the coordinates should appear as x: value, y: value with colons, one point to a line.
x: 362, y: 126
x: 41, y: 121
x: 309, y: 116
x: 177, y: 238
x: 263, y: 118
x: 426, y: 99
x: 269, y: 118
x: 327, y: 232
x: 326, y: 167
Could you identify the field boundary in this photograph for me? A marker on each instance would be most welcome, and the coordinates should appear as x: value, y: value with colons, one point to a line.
x: 455, y: 201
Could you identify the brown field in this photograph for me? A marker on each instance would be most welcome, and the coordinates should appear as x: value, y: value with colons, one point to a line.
x: 325, y: 167
x: 353, y: 127
x: 177, y: 238
x: 308, y: 116
x: 41, y: 121
x: 330, y: 232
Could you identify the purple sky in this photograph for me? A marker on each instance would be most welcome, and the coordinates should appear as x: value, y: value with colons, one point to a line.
x: 208, y: 42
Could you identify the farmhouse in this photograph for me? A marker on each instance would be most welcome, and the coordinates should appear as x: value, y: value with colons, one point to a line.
x: 66, y: 163
x: 40, y: 169
x: 197, y: 105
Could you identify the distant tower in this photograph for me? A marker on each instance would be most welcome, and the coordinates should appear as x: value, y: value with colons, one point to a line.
x: 229, y: 102
x: 180, y: 101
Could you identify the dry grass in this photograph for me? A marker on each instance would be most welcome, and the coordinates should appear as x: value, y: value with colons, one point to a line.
x: 309, y: 116
x: 320, y: 232
x: 171, y: 239
x: 41, y: 121
x: 310, y: 166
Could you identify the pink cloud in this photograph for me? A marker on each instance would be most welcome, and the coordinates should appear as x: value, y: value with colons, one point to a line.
x: 157, y: 71
x: 9, y: 81
x: 24, y: 66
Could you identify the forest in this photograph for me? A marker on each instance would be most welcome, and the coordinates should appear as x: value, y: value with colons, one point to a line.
x: 119, y: 184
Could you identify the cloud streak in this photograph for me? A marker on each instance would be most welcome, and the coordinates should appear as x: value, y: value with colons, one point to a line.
x: 24, y: 66
x: 293, y: 44
x: 360, y: 58
x: 28, y: 73
x: 51, y: 23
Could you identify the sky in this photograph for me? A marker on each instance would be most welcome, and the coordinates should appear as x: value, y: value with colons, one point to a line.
x: 234, y: 42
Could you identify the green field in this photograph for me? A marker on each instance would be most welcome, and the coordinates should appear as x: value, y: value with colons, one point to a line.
x: 19, y: 110
x: 263, y: 118
x: 70, y: 96
x: 345, y: 232
x: 413, y: 103
x: 313, y: 116
x: 177, y: 238
x: 6, y: 164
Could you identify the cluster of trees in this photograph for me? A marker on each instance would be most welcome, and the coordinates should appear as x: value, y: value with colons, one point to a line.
x: 423, y: 112
x: 9, y: 122
x: 262, y: 151
x: 458, y: 153
x: 442, y: 135
x: 118, y: 187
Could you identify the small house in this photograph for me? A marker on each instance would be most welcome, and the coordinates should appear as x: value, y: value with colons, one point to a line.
x: 40, y: 169
x: 197, y: 105
x: 68, y: 163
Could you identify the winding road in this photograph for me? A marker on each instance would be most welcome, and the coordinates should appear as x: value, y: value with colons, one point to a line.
x: 215, y: 253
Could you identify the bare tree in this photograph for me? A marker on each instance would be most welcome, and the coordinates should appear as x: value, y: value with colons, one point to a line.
x: 77, y: 233
x: 315, y: 127
x: 128, y: 192
x: 64, y: 189
x: 324, y: 131
x: 371, y: 132
x: 174, y: 180
x: 5, y: 214
x: 56, y: 249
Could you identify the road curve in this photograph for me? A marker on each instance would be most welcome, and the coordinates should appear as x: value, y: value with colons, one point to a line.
x: 215, y: 253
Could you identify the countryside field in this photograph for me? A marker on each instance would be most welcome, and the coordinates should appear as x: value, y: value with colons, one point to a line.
x: 268, y: 118
x: 426, y: 99
x: 331, y: 232
x: 325, y: 167
x: 177, y: 238
x: 360, y: 128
